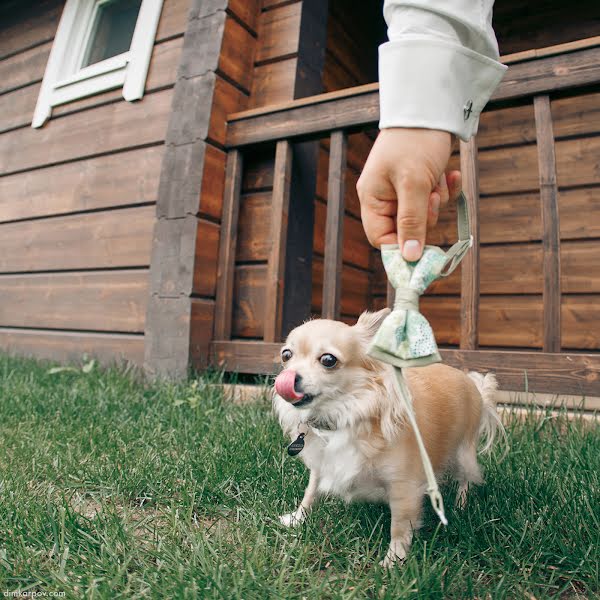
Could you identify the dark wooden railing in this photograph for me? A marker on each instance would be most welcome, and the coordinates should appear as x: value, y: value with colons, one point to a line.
x: 340, y: 113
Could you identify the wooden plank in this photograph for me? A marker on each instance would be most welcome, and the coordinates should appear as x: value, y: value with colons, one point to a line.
x: 469, y: 305
x: 355, y: 289
x: 322, y: 114
x: 226, y: 98
x: 98, y: 300
x: 589, y: 42
x: 96, y: 183
x: 551, y: 73
x: 580, y: 319
x: 206, y: 258
x: 504, y: 321
x: 24, y: 68
x: 550, y: 223
x: 501, y: 126
x: 356, y: 249
x: 201, y: 331
x: 66, y: 346
x: 508, y: 170
x: 173, y: 19
x: 272, y: 83
x: 279, y: 225
x: 105, y: 129
x: 578, y: 161
x: 249, y: 301
x: 580, y: 266
x: 519, y: 371
x: 279, y: 32
x: 25, y: 28
x: 258, y: 170
x: 118, y: 238
x: 228, y: 245
x: 576, y: 115
x: 334, y: 227
x: 246, y: 11
x: 534, y: 371
x: 254, y: 228
x: 237, y: 54
x: 351, y: 177
x: 213, y: 182
x: 509, y: 218
x: 579, y: 211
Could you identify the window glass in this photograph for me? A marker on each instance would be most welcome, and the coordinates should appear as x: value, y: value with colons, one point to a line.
x: 112, y: 30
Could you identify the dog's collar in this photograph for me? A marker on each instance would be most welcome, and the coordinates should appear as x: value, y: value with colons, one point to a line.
x: 319, y: 424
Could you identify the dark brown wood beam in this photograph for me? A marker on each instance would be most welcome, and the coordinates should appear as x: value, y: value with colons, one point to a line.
x: 228, y: 245
x: 565, y: 373
x: 312, y: 118
x: 309, y: 77
x: 274, y: 284
x: 334, y: 227
x: 469, y: 291
x: 550, y: 223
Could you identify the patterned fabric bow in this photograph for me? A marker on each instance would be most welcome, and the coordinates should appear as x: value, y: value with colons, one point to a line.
x: 405, y: 338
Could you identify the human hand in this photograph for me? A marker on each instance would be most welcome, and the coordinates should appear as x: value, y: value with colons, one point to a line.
x: 403, y: 186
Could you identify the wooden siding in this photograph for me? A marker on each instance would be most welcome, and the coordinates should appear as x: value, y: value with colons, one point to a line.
x: 77, y: 199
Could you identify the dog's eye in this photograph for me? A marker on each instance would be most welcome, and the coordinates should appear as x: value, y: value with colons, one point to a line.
x: 286, y: 354
x: 328, y: 361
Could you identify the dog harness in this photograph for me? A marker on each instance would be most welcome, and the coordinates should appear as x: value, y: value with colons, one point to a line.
x: 405, y: 338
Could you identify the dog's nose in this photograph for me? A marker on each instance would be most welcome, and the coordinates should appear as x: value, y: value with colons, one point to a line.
x: 298, y: 383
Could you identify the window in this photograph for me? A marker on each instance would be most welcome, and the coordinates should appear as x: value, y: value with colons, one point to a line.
x: 99, y: 45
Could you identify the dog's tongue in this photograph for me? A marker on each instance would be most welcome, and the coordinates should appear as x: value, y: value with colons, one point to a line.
x: 284, y: 386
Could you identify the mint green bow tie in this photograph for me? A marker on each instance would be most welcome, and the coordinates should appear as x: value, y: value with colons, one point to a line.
x: 405, y: 338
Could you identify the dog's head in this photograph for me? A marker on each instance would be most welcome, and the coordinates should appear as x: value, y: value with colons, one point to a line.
x: 325, y: 364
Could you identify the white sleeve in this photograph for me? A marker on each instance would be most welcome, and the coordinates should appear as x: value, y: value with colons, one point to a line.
x: 440, y: 66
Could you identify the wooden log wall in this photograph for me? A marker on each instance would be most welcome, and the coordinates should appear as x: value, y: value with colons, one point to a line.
x: 77, y: 197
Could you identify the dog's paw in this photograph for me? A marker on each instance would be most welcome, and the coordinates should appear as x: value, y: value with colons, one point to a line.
x: 293, y: 519
x: 395, y: 556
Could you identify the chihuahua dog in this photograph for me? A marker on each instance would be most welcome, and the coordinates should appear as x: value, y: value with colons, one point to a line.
x: 357, y: 444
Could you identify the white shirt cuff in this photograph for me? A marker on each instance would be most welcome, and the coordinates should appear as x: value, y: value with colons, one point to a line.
x: 434, y: 84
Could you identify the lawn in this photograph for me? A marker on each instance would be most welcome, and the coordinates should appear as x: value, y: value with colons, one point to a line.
x: 115, y: 489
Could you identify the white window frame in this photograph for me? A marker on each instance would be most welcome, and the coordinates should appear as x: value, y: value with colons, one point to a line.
x: 65, y: 80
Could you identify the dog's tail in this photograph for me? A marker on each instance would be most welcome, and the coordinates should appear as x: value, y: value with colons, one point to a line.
x: 490, y: 425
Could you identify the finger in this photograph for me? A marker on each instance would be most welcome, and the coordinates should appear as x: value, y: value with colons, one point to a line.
x: 454, y: 180
x: 379, y: 220
x: 413, y: 207
x: 434, y: 209
x: 442, y: 188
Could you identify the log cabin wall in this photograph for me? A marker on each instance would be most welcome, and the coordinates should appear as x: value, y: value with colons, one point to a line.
x: 77, y: 197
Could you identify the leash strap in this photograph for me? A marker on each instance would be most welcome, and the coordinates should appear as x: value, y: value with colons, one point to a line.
x: 405, y: 338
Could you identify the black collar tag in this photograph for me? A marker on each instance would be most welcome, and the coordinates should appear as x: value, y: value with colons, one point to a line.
x: 297, y: 445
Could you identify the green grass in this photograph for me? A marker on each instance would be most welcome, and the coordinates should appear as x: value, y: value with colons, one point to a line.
x: 110, y: 488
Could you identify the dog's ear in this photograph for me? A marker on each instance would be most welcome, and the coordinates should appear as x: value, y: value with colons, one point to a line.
x: 369, y: 322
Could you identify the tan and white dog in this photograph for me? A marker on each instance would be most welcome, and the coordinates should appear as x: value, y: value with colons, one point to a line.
x: 357, y: 443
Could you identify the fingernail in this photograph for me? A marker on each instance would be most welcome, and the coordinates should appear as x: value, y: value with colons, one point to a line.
x: 411, y: 250
x: 435, y: 203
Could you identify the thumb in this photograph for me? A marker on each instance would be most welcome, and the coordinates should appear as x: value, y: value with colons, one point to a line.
x: 413, y: 203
